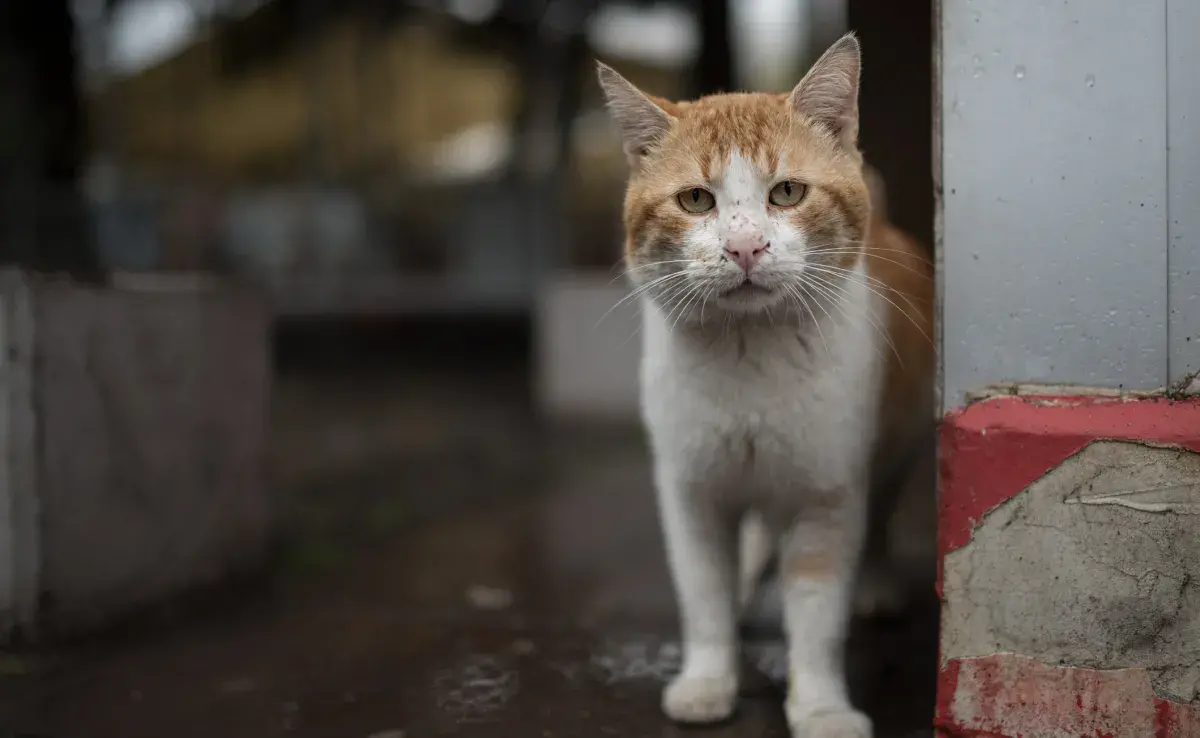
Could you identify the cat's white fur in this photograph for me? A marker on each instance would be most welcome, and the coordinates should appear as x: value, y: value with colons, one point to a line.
x: 764, y: 423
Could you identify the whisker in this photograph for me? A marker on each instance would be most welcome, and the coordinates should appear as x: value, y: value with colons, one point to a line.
x: 829, y: 286
x: 837, y: 294
x: 683, y: 310
x: 873, y: 252
x: 650, y: 265
x: 849, y: 276
x: 707, y: 296
x: 816, y: 321
x: 675, y: 297
x: 867, y: 278
x: 639, y: 291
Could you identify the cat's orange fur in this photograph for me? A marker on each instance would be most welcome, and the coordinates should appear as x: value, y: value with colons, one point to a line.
x: 900, y: 266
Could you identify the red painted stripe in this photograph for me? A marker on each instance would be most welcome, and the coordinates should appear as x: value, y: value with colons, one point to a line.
x: 1010, y: 696
x: 993, y: 449
x: 1173, y: 720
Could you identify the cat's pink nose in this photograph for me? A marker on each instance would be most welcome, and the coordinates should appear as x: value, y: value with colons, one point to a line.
x: 746, y: 253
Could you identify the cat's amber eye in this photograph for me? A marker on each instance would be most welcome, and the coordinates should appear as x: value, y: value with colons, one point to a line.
x: 787, y: 193
x: 696, y: 200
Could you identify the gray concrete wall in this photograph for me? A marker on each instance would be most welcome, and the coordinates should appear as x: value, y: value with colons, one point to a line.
x: 148, y: 403
x: 1183, y: 185
x: 1135, y: 593
x: 1069, y: 239
x: 587, y: 361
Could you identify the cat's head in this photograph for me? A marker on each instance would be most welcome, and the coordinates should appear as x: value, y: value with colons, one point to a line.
x: 744, y: 202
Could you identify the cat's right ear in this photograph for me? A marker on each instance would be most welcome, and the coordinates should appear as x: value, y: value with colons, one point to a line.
x: 643, y: 122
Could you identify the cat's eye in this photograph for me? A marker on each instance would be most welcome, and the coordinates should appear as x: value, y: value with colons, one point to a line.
x: 787, y: 193
x: 696, y: 200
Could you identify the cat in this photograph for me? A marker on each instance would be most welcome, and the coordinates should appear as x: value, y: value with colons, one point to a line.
x: 786, y: 370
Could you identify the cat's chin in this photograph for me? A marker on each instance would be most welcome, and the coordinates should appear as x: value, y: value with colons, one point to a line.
x: 747, y: 298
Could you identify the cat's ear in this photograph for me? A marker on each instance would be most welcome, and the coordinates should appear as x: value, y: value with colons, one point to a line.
x: 644, y: 122
x: 828, y: 94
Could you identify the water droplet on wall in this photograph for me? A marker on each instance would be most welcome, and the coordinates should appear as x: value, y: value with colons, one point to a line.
x: 1090, y: 80
x: 1019, y: 72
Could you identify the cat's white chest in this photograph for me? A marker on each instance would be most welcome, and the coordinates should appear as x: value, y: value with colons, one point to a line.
x: 761, y: 411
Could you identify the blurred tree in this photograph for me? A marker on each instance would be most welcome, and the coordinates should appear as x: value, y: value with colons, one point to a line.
x: 43, y: 218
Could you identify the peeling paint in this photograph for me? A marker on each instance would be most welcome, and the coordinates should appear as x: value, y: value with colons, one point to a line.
x: 1010, y: 696
x: 1087, y: 585
x: 1069, y: 568
x: 993, y: 449
x: 1176, y: 498
x: 1143, y: 477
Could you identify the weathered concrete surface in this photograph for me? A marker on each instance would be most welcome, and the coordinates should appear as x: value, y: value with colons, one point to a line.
x: 149, y: 413
x: 1097, y: 565
x: 1070, y: 535
x: 993, y: 449
x: 1008, y: 695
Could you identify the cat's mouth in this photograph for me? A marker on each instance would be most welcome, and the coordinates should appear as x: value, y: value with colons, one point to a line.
x: 746, y: 288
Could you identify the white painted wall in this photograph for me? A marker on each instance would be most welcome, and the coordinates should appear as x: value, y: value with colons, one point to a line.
x: 1069, y: 239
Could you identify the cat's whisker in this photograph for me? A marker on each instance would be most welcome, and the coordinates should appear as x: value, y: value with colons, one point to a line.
x: 708, y: 294
x: 683, y: 311
x: 816, y: 321
x: 854, y: 248
x: 866, y: 278
x: 637, y: 292
x: 839, y: 302
x: 842, y: 293
x: 869, y: 246
x: 849, y: 277
x: 837, y: 295
x: 650, y: 265
x: 816, y: 300
x: 674, y: 299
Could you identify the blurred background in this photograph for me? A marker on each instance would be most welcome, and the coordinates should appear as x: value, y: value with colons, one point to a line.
x: 424, y: 199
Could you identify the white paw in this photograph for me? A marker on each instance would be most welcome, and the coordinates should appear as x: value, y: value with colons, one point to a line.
x: 700, y: 699
x: 828, y: 722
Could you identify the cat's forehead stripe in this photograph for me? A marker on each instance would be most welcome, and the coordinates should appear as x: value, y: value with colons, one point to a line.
x: 755, y: 125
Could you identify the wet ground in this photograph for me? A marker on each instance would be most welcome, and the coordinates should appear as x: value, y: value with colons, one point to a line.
x: 454, y: 568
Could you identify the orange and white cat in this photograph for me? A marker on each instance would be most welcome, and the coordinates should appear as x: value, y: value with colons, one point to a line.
x: 786, y: 367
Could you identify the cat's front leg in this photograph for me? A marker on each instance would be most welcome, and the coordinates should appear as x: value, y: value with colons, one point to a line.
x: 701, y: 551
x: 817, y: 562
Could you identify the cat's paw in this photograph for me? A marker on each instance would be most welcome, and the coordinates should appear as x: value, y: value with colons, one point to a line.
x: 700, y: 700
x: 830, y: 722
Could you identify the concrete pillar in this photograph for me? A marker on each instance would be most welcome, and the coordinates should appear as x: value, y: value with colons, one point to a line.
x: 1069, y: 243
x: 132, y: 444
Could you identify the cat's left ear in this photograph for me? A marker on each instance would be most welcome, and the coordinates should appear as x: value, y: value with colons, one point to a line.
x: 644, y: 121
x: 828, y: 94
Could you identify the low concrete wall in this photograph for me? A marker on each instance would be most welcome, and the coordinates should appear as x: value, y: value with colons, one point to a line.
x: 587, y: 357
x: 133, y: 428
